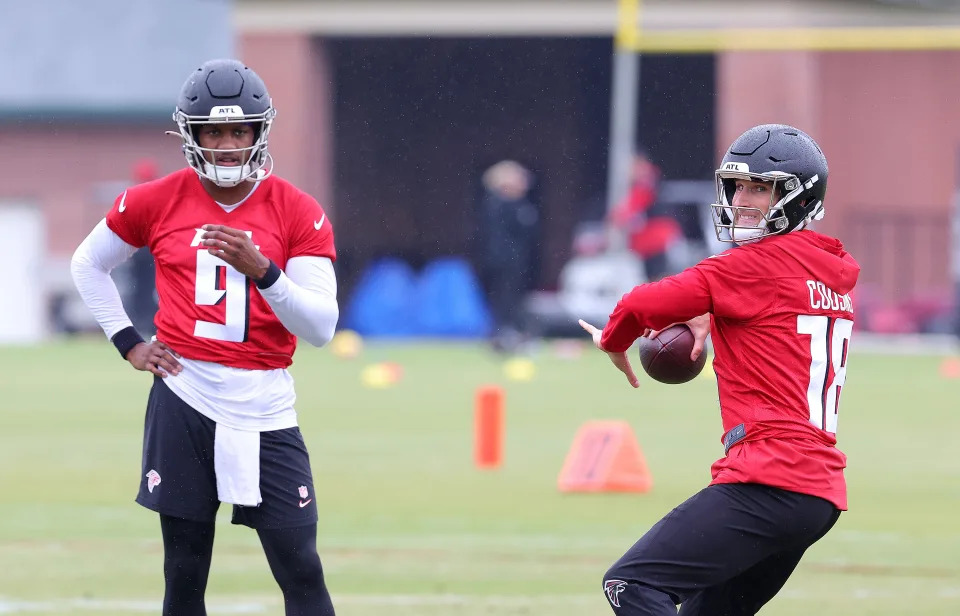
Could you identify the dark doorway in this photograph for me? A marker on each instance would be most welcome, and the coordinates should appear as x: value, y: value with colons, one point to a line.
x: 418, y: 120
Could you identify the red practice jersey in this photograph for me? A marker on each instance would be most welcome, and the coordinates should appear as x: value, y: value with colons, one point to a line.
x: 208, y: 310
x: 782, y: 317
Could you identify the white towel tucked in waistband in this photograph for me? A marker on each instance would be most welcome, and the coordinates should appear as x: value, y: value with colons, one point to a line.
x: 236, y: 461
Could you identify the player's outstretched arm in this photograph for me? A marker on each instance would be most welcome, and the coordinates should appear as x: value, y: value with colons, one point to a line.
x: 620, y: 360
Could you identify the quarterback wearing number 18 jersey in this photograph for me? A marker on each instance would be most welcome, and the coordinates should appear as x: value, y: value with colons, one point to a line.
x: 781, y: 344
x: 780, y: 311
x: 208, y: 311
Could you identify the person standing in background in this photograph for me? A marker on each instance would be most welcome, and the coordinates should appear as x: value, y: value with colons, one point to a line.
x: 649, y: 235
x: 509, y: 227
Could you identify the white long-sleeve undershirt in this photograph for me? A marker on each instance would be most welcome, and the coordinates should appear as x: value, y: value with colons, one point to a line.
x: 97, y: 256
x: 304, y: 297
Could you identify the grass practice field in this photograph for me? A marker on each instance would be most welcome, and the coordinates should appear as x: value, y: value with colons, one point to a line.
x: 409, y: 527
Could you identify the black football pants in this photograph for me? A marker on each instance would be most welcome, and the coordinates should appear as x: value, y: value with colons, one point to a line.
x: 725, y: 551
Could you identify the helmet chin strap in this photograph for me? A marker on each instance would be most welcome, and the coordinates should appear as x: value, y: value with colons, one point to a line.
x: 746, y: 235
x: 226, y: 177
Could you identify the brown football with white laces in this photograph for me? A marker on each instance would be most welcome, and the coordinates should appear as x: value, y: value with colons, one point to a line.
x: 666, y: 358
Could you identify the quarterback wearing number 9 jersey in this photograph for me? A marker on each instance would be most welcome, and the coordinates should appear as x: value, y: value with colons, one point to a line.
x: 208, y: 310
x: 779, y: 309
x: 244, y: 268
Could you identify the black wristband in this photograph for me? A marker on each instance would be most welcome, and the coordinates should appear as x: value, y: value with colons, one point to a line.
x: 273, y: 273
x: 126, y: 339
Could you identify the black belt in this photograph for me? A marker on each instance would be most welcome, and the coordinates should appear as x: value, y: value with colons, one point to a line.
x: 733, y: 436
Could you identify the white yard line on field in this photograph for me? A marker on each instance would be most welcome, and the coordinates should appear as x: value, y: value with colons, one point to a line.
x: 261, y: 605
x: 74, y: 606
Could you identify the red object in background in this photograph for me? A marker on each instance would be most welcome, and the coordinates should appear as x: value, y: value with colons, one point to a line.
x: 892, y: 319
x: 654, y: 237
x: 651, y: 236
x: 144, y: 170
x: 640, y: 197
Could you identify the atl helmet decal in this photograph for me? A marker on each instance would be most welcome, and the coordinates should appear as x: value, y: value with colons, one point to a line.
x: 613, y: 589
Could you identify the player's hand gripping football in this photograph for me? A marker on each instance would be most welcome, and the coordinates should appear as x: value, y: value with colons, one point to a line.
x: 620, y: 360
x: 699, y: 327
x: 155, y: 357
x: 235, y: 248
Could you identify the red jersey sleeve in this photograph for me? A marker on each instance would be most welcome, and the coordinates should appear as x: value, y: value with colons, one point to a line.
x: 130, y: 217
x: 655, y: 305
x: 731, y: 285
x: 311, y: 232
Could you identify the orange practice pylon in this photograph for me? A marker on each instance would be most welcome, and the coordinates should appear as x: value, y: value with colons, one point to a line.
x: 950, y: 368
x: 605, y: 457
x: 488, y: 427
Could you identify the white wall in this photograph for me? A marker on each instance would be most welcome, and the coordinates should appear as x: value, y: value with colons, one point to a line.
x: 23, y: 310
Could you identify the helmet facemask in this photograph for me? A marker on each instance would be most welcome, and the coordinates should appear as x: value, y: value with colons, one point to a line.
x: 787, y: 210
x: 257, y: 164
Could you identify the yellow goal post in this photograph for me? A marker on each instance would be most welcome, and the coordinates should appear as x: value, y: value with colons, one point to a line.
x: 631, y: 35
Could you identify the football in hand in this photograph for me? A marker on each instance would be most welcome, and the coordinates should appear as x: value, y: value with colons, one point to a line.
x: 666, y: 358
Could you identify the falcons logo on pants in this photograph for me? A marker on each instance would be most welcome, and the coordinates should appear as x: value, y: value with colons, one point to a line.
x: 153, y: 480
x: 613, y: 589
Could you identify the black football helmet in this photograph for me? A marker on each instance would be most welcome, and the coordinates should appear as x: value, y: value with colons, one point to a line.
x: 225, y: 91
x: 776, y: 153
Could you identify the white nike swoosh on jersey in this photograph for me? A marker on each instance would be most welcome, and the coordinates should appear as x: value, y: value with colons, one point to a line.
x: 718, y: 256
x: 305, y: 503
x: 319, y: 223
x: 122, y: 199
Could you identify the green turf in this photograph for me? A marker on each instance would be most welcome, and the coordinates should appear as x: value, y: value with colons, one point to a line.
x: 408, y: 525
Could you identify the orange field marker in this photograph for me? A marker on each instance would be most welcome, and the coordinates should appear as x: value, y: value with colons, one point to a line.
x: 605, y: 457
x: 488, y: 427
x: 950, y: 368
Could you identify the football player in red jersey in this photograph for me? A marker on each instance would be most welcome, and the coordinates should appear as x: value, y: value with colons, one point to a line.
x: 244, y: 267
x: 779, y: 310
